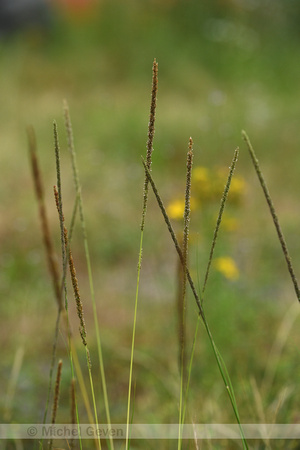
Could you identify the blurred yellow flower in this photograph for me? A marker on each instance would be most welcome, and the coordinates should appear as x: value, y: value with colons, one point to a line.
x: 230, y: 223
x: 200, y: 174
x: 175, y: 209
x: 208, y: 187
x: 202, y: 183
x: 237, y: 186
x: 227, y: 267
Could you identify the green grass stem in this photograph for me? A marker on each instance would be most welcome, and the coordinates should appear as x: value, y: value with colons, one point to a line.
x: 64, y: 250
x: 273, y: 214
x: 214, y: 241
x: 70, y: 137
x: 219, y: 219
x: 218, y: 357
x: 151, y: 130
x: 182, y: 309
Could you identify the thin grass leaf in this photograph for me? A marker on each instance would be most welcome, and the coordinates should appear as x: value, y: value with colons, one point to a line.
x: 12, y: 384
x: 273, y: 214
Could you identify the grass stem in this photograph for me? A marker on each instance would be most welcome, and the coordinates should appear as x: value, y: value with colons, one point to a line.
x: 151, y: 129
x: 219, y: 359
x: 273, y: 214
x: 68, y: 126
x: 182, y: 305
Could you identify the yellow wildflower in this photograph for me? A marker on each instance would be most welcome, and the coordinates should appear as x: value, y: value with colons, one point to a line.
x: 230, y: 223
x: 200, y: 174
x: 237, y: 186
x: 175, y: 209
x: 202, y: 183
x: 227, y: 267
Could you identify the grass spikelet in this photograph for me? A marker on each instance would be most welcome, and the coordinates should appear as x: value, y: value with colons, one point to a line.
x: 56, y: 392
x: 59, y: 205
x: 78, y: 301
x: 79, y: 308
x: 273, y: 214
x: 186, y: 220
x: 182, y: 298
x: 56, y: 397
x: 39, y: 191
x: 220, y: 215
x: 151, y: 129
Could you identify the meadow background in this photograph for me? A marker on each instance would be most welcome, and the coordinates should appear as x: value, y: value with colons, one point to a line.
x: 224, y: 66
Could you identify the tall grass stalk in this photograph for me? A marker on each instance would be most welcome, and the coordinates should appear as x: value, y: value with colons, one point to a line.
x: 151, y: 130
x: 70, y: 137
x: 174, y: 238
x: 273, y: 214
x: 219, y: 219
x: 182, y: 337
x: 218, y: 357
x: 73, y: 408
x: 82, y: 329
x: 56, y: 398
x: 64, y: 250
x: 79, y: 307
x: 211, y: 253
x: 50, y: 254
x: 39, y: 191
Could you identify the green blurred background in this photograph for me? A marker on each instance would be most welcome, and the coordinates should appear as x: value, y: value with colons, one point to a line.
x: 224, y: 66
